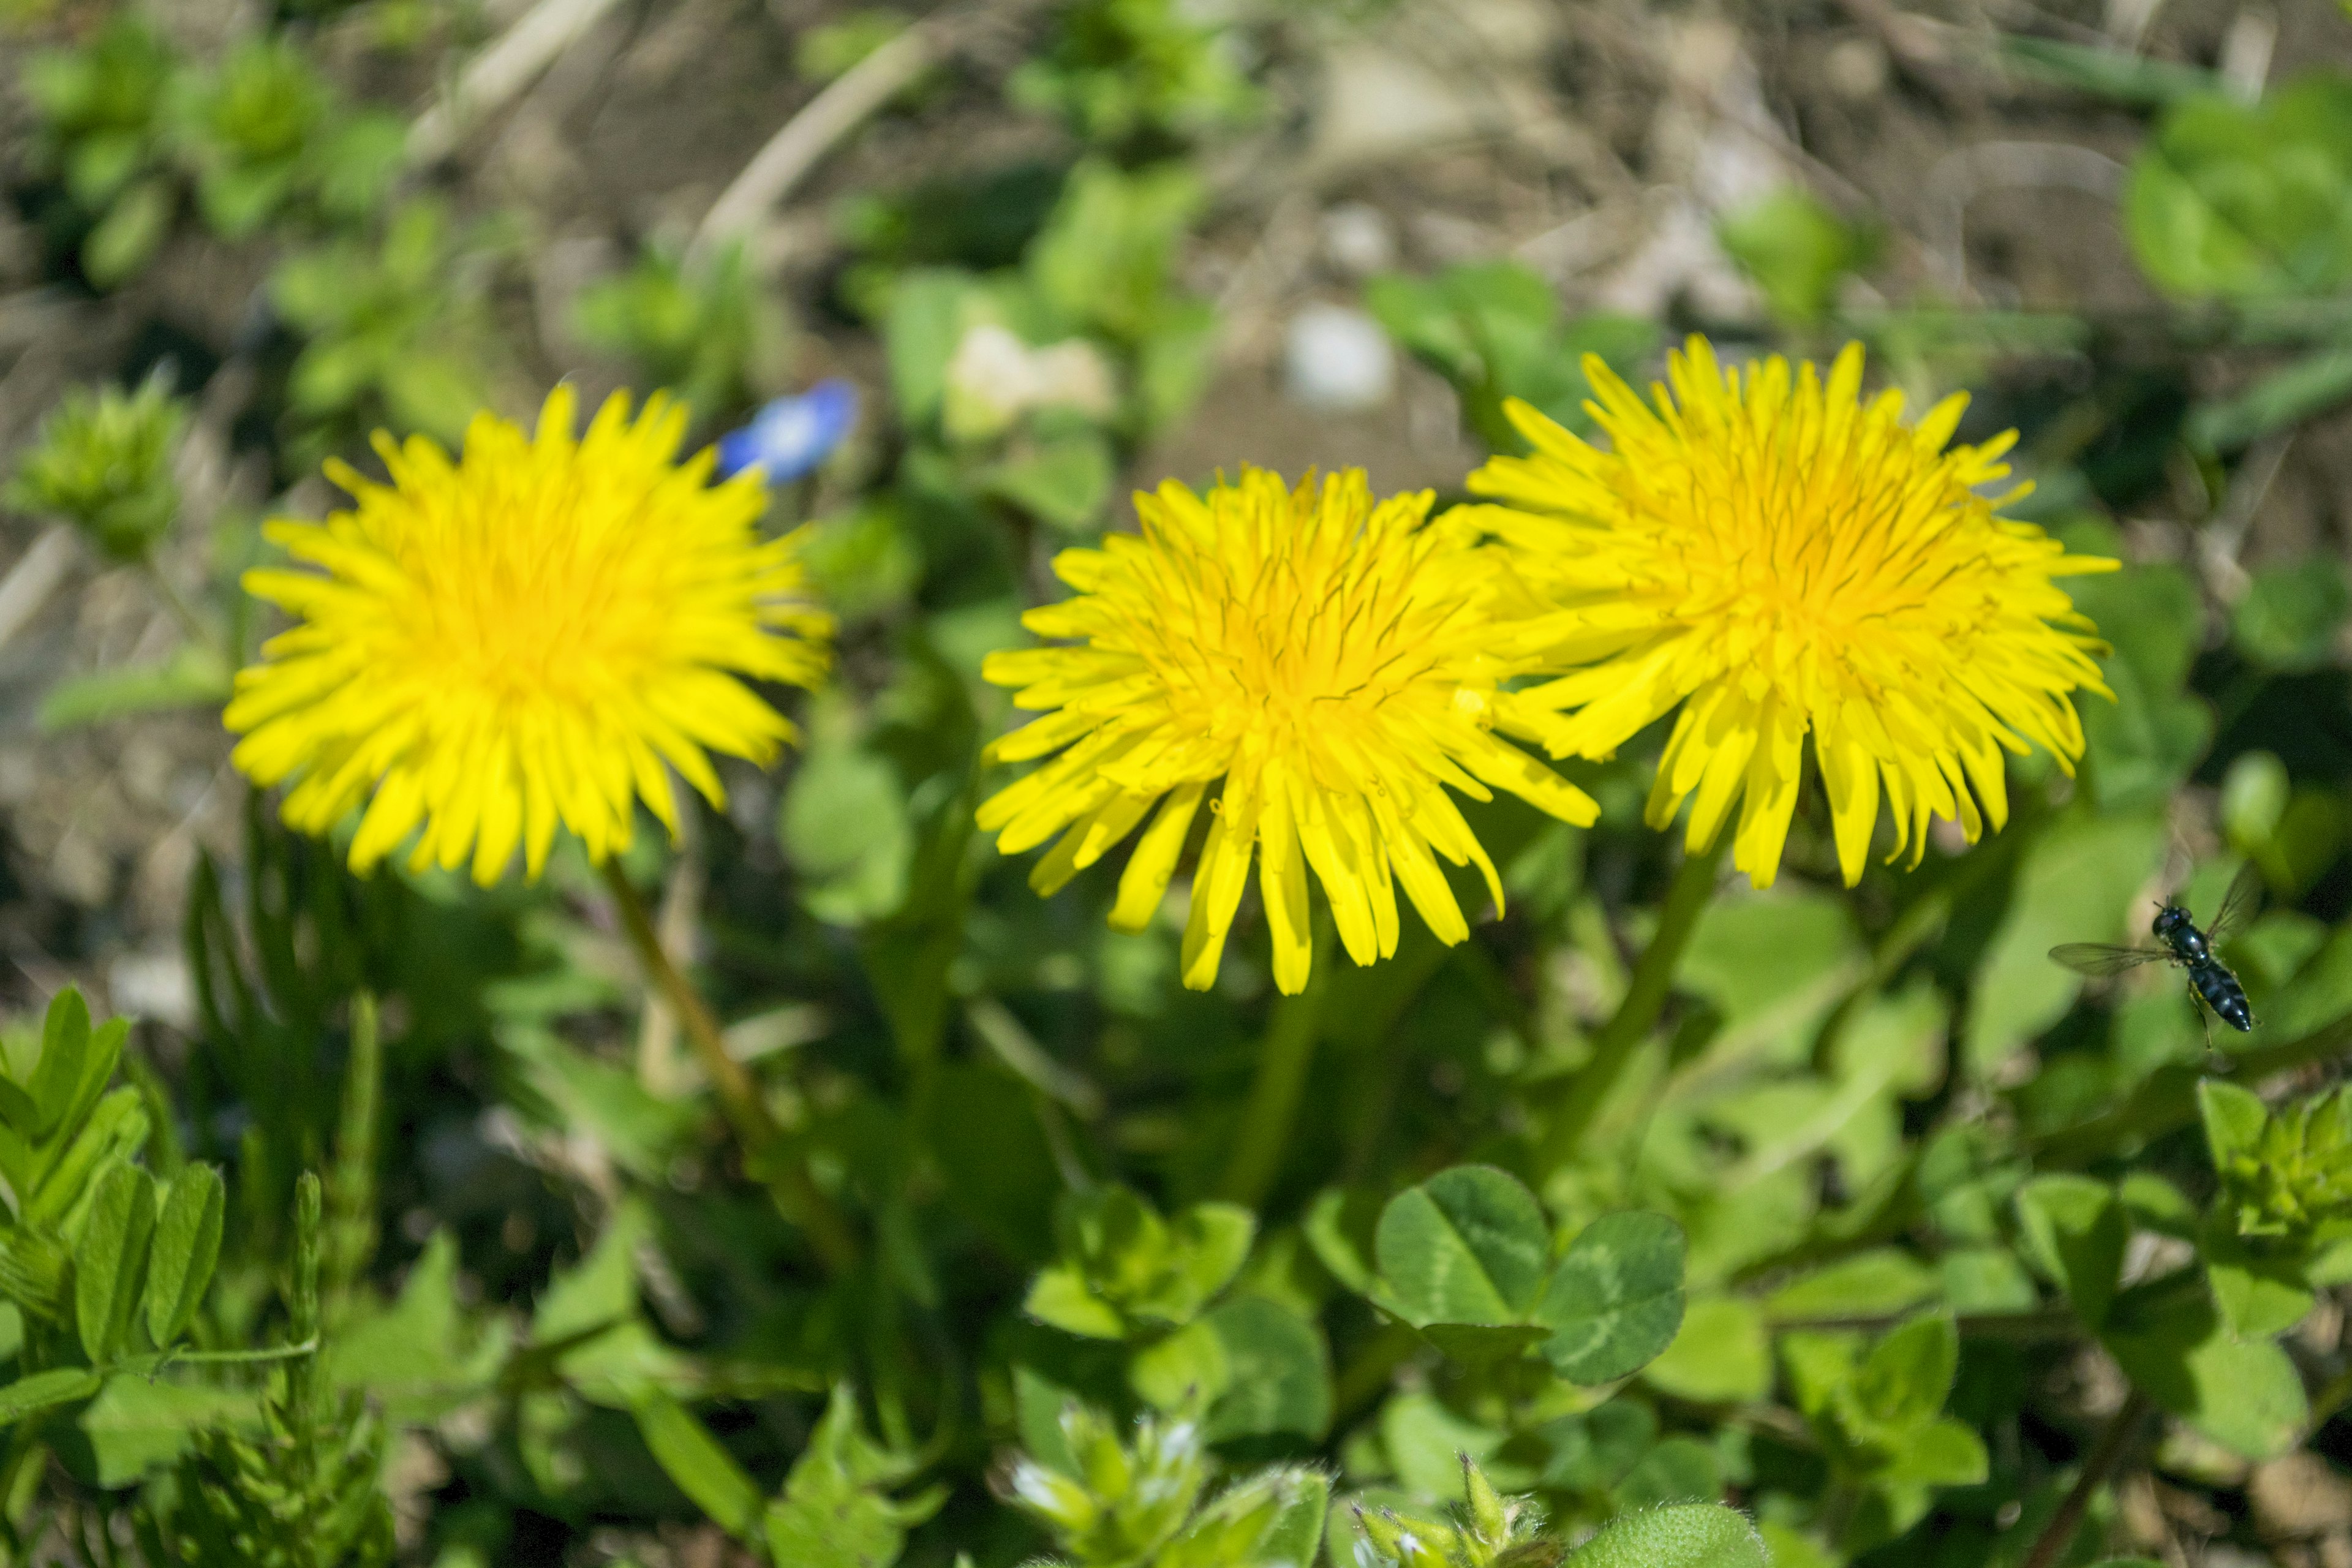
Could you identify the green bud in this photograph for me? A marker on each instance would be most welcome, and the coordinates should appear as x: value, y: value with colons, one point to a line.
x: 1125, y: 1501
x: 104, y: 462
x: 1490, y: 1520
x: 2298, y: 1174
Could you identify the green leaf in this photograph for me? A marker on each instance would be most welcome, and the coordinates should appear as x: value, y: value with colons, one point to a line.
x: 2248, y: 200
x: 1593, y: 1451
x: 1187, y: 1365
x: 2245, y: 1395
x: 1425, y: 1443
x: 1104, y: 256
x: 701, y: 1465
x: 1059, y: 1295
x: 1883, y: 1281
x: 2234, y: 1117
x: 412, y: 1357
x: 139, y: 1422
x: 1797, y: 251
x: 127, y: 238
x: 1722, y: 1355
x: 925, y: 321
x: 191, y: 678
x: 1297, y: 1529
x: 1210, y: 1242
x: 2260, y: 1292
x: 1903, y: 1383
x: 186, y: 1246
x: 1063, y: 484
x: 1277, y: 1372
x: 1773, y: 965
x: 1468, y: 1246
x: 1615, y: 1301
x: 1693, y: 1535
x: 1680, y: 1470
x: 2304, y: 389
x: 2077, y: 884
x: 1944, y: 1453
x: 2291, y: 614
x: 2142, y: 80
x: 2074, y: 1232
x: 63, y: 1172
x: 46, y: 1390
x: 832, y: 1512
x: 65, y: 1060
x: 844, y: 824
x: 2142, y: 744
x: 109, y: 1262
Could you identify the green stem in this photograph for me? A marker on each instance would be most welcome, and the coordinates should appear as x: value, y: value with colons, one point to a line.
x: 2167, y: 1099
x: 192, y: 624
x: 1283, y: 1060
x: 302, y: 1303
x: 351, y: 1232
x: 1637, y: 1015
x: 2059, y: 1533
x: 794, y: 1190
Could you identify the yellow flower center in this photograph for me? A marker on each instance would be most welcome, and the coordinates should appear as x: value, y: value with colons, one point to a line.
x: 533, y: 636
x: 1334, y: 662
x: 1791, y: 563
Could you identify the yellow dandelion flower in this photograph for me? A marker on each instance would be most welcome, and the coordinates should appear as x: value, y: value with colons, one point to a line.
x: 1335, y: 662
x: 521, y: 638
x: 1784, y: 559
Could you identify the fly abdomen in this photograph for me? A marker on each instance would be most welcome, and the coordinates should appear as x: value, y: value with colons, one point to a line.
x: 2221, y: 992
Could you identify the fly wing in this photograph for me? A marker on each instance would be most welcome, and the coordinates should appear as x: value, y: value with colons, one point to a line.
x: 2237, y: 904
x: 2104, y: 958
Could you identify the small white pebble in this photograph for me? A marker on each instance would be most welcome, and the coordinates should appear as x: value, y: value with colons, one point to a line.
x: 1359, y: 239
x: 1338, y: 360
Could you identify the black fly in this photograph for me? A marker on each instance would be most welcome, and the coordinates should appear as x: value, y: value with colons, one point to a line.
x: 2209, y: 979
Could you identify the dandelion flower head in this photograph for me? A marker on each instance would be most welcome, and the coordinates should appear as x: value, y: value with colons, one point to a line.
x: 532, y: 635
x: 1328, y: 665
x: 1783, y: 559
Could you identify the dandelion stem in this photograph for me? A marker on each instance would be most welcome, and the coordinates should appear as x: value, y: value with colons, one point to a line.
x: 1283, y: 1058
x: 2109, y: 1452
x: 350, y: 1192
x: 797, y: 1193
x: 1645, y: 998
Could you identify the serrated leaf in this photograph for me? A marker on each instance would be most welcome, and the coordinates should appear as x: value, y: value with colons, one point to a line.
x: 1468, y: 1246
x: 186, y: 1246
x: 110, y: 1263
x: 1615, y: 1302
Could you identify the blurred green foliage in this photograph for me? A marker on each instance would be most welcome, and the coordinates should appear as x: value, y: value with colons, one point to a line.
x: 102, y: 461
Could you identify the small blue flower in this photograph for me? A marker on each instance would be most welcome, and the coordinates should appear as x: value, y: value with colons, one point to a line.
x: 792, y: 435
